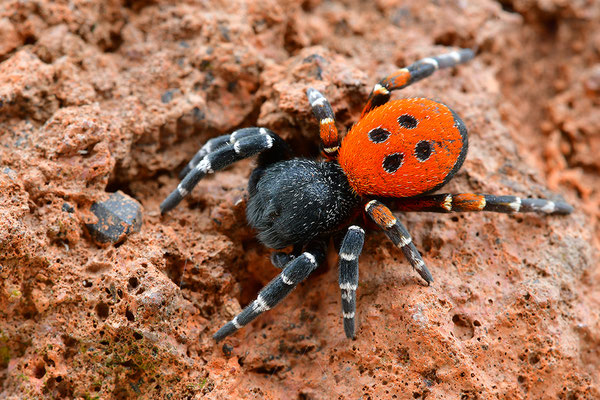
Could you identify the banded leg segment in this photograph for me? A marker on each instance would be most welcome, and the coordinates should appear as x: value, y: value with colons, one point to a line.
x: 215, y: 143
x: 413, y: 73
x: 348, y: 275
x: 462, y: 202
x: 260, y: 140
x: 398, y: 234
x: 327, y: 129
x: 295, y: 272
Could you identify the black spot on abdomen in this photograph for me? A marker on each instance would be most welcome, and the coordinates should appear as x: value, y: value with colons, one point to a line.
x: 423, y: 150
x: 378, y: 135
x: 392, y: 162
x: 407, y: 121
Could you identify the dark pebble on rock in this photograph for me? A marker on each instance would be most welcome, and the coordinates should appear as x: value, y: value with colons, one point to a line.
x: 118, y: 216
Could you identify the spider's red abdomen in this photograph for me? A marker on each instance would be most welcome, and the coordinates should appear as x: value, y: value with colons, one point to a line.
x: 404, y: 148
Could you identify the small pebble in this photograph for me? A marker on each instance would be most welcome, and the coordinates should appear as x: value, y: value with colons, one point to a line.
x: 167, y: 96
x: 118, y: 216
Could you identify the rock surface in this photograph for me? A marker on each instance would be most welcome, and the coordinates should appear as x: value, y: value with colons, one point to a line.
x: 102, y: 96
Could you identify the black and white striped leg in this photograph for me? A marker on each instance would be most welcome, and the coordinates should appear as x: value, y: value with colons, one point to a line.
x: 215, y: 143
x: 462, y: 202
x: 427, y: 66
x: 348, y: 275
x: 398, y: 234
x: 510, y: 204
x: 413, y: 73
x: 295, y: 272
x: 244, y: 147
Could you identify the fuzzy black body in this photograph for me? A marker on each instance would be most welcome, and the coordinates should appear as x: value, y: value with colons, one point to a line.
x: 295, y: 201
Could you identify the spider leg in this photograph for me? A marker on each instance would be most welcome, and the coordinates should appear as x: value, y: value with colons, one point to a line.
x: 398, y: 234
x: 280, y: 259
x: 348, y: 275
x: 328, y: 131
x: 213, y: 144
x: 447, y: 202
x: 295, y: 272
x: 261, y: 140
x: 413, y: 73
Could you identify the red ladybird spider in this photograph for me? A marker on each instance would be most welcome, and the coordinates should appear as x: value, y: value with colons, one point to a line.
x: 401, y: 150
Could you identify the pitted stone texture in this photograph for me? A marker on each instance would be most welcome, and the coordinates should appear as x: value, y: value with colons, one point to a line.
x: 118, y: 217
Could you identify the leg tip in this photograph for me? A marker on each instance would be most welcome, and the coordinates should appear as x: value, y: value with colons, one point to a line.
x: 225, y: 331
x: 217, y: 339
x: 563, y: 208
x: 349, y: 328
x: 170, y: 202
x: 426, y: 275
x: 466, y: 54
x: 165, y: 208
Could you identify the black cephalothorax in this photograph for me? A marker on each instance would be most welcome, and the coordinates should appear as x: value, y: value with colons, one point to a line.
x: 297, y: 201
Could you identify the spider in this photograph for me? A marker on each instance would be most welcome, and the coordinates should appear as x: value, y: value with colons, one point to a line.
x: 399, y: 151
